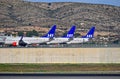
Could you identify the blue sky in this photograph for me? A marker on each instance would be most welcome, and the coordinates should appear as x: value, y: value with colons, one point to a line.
x: 110, y: 2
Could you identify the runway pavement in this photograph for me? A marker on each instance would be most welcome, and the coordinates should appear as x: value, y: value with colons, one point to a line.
x: 59, y: 76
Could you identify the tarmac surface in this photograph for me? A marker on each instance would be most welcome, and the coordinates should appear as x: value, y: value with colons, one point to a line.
x: 67, y: 46
x: 59, y: 76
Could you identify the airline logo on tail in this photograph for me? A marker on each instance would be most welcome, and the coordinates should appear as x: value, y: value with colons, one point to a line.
x: 70, y: 33
x: 51, y: 32
x: 90, y: 33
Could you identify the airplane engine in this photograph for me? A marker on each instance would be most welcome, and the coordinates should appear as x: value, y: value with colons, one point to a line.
x: 68, y: 42
x: 50, y: 39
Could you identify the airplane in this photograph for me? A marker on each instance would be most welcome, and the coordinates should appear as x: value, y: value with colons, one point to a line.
x: 24, y: 41
x: 65, y: 38
x: 85, y: 38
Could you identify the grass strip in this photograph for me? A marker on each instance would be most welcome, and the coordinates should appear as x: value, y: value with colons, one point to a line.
x: 48, y: 67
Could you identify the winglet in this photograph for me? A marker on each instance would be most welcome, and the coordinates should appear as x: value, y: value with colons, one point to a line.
x: 21, y: 37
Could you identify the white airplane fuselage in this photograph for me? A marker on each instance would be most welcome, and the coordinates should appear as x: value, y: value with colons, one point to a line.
x: 78, y: 40
x: 58, y: 40
x: 28, y: 40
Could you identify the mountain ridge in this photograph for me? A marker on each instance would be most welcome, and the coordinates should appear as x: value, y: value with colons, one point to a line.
x: 14, y: 13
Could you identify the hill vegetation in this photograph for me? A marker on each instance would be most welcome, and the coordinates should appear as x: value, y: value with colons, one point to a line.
x: 18, y: 13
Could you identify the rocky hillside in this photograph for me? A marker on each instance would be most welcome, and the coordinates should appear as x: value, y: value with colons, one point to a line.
x: 15, y: 13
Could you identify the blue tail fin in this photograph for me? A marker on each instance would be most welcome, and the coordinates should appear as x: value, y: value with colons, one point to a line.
x: 51, y: 32
x: 70, y: 33
x: 90, y: 33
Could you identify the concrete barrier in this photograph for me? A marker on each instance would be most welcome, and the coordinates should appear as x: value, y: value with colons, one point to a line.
x: 59, y: 55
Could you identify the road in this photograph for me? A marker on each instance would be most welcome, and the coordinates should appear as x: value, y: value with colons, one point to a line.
x: 59, y: 76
